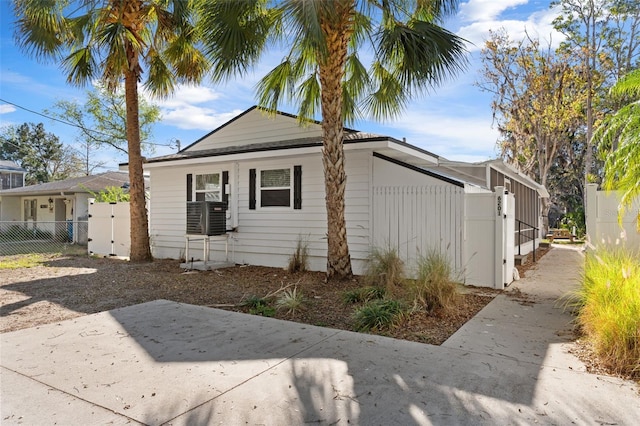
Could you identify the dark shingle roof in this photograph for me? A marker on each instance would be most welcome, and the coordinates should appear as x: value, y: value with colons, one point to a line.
x: 10, y: 166
x: 349, y: 138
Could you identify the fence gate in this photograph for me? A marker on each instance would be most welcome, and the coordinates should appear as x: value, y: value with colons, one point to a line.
x: 109, y: 229
x: 415, y: 220
x: 489, y: 238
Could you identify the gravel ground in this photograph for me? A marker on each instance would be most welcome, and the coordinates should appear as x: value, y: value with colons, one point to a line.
x: 67, y: 287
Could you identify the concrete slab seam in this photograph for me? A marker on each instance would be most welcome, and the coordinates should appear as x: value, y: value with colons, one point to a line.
x: 254, y: 376
x: 71, y: 395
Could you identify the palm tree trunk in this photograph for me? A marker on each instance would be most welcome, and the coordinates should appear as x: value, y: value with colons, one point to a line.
x: 331, y: 72
x: 140, y: 248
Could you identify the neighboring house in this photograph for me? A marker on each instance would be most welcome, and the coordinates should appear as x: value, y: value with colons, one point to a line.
x: 11, y: 175
x: 59, y: 201
x: 268, y: 171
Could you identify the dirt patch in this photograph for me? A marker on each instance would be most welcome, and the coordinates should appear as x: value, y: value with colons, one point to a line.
x: 68, y: 287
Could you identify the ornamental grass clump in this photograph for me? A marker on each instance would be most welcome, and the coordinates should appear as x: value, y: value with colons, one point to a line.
x: 608, y: 305
x: 434, y: 287
x: 363, y: 294
x: 299, y: 260
x: 385, y: 269
x: 378, y: 315
x: 290, y: 301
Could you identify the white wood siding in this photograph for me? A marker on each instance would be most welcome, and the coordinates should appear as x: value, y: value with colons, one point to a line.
x: 264, y: 236
x: 257, y: 127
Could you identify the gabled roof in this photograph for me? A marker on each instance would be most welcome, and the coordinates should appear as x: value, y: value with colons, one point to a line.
x: 279, y: 136
x: 10, y: 166
x: 247, y: 112
x: 83, y: 184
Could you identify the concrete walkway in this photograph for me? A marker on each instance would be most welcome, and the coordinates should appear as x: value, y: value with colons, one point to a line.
x: 169, y: 363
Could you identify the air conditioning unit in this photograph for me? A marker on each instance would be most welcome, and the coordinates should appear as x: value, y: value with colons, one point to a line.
x: 206, y: 218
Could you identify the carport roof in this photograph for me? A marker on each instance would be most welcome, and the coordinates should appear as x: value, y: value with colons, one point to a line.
x: 83, y: 184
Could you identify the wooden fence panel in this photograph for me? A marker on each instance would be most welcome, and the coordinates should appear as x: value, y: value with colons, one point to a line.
x: 417, y: 219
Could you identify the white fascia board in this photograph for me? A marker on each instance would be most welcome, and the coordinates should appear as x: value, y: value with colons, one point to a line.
x: 432, y: 160
x: 236, y: 157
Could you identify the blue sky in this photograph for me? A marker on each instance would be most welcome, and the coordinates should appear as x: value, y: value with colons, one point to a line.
x: 453, y: 121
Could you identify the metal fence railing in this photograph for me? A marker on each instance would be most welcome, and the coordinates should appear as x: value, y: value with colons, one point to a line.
x: 43, y: 237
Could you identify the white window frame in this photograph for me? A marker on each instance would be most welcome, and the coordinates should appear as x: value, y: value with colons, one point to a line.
x: 197, y: 191
x: 260, y: 188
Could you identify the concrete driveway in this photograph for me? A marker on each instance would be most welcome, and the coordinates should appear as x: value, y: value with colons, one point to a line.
x: 169, y: 363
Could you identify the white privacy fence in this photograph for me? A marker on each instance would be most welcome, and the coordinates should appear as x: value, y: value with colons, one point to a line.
x: 489, y: 238
x: 475, y: 230
x: 603, y: 226
x: 417, y: 219
x: 109, y: 229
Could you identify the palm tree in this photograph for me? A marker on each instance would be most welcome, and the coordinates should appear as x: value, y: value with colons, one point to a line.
x: 323, y: 70
x: 619, y: 140
x: 116, y: 41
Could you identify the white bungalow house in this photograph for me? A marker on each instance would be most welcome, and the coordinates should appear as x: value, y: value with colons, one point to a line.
x: 268, y: 172
x: 47, y: 204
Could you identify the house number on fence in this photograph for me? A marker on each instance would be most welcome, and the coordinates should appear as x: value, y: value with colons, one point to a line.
x: 499, y: 205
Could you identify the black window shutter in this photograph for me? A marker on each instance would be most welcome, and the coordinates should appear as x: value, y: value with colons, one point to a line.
x: 252, y: 189
x: 225, y: 182
x: 189, y: 186
x: 297, y: 187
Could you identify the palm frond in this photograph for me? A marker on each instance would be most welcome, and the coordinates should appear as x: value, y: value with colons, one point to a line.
x: 81, y: 66
x: 235, y: 33
x: 41, y: 29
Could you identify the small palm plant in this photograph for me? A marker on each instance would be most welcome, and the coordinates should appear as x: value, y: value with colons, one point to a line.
x: 291, y: 300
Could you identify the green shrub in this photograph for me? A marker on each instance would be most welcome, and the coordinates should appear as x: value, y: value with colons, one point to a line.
x: 111, y: 194
x: 298, y: 262
x: 378, y: 315
x: 608, y: 305
x: 434, y: 287
x: 363, y: 294
x: 290, y: 300
x: 259, y: 306
x: 385, y: 269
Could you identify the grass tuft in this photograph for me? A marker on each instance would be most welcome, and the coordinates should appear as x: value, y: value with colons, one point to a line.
x: 378, y: 315
x: 299, y: 260
x: 363, y: 294
x: 25, y: 260
x: 259, y: 306
x: 290, y: 300
x: 434, y: 287
x: 608, y: 305
x: 385, y: 269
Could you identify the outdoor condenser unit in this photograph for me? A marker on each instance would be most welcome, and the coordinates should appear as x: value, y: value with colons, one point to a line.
x: 206, y: 218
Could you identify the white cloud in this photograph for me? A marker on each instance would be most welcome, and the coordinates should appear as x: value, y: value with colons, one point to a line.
x: 486, y: 10
x: 537, y: 25
x: 462, y: 138
x: 6, y: 108
x: 189, y: 95
x: 192, y: 117
x: 189, y: 108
